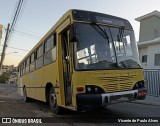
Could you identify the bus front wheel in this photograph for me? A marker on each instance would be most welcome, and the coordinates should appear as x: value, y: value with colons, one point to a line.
x: 53, y: 102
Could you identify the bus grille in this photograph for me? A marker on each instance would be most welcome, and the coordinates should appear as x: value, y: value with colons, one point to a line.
x: 120, y: 83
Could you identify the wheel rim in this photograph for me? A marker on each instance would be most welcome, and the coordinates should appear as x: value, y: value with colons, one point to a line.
x: 53, y: 100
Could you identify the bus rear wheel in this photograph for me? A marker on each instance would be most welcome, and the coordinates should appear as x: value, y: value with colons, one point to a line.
x: 25, y: 98
x: 53, y: 102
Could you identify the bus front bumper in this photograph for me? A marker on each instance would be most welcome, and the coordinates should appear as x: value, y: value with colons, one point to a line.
x: 90, y: 101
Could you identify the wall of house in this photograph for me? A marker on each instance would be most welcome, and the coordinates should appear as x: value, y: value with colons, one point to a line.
x: 149, y: 28
x: 150, y: 51
x: 143, y: 51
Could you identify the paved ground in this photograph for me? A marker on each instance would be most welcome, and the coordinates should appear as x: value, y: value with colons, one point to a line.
x: 12, y: 105
x: 150, y: 100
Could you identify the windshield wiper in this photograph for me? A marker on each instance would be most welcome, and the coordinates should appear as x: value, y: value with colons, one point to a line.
x: 120, y: 34
x: 113, y: 45
x: 104, y: 34
x: 101, y: 31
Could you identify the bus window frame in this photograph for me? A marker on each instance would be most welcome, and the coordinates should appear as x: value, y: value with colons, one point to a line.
x: 38, y: 57
x: 54, y: 34
x: 27, y: 63
x: 32, y: 62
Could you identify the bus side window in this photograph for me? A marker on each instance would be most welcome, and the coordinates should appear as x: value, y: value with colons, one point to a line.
x: 54, y: 40
x: 39, y: 57
x: 22, y: 68
x: 48, y: 46
x: 54, y: 48
x: 32, y: 62
x: 19, y: 70
x: 27, y: 65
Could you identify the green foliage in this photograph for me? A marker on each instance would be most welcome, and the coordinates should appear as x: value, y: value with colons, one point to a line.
x: 4, y: 78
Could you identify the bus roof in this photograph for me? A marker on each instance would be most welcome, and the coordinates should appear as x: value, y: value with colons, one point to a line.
x: 89, y: 16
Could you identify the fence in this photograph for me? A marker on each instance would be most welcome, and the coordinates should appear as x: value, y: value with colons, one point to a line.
x: 153, y: 81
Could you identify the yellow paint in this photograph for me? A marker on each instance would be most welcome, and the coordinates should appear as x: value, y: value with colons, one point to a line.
x: 53, y: 73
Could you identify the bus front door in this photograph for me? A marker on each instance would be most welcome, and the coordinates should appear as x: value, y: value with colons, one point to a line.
x: 66, y: 67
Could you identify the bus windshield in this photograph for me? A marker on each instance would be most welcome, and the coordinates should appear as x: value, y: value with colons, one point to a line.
x: 101, y: 47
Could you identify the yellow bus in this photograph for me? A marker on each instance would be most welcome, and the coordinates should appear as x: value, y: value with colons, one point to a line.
x: 85, y: 61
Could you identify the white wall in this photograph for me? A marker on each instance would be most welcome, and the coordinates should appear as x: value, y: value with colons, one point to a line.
x: 143, y: 51
x: 150, y: 51
x: 149, y: 28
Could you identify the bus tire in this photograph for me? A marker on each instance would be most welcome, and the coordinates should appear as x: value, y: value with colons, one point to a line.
x: 53, y: 102
x: 141, y: 98
x: 25, y: 98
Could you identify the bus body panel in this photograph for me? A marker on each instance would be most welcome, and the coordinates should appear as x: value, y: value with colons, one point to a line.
x: 115, y: 80
x: 51, y: 76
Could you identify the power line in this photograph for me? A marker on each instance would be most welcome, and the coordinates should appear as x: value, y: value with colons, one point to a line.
x: 26, y: 34
x: 14, y: 10
x: 15, y: 48
x: 18, y: 12
x: 15, y: 55
x: 28, y: 31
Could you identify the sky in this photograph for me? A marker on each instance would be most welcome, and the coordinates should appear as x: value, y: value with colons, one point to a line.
x: 40, y: 15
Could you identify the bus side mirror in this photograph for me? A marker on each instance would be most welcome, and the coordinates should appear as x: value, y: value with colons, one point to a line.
x: 73, y: 34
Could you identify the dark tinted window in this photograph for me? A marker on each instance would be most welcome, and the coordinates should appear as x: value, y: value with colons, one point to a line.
x: 32, y: 58
x: 32, y: 65
x: 39, y: 62
x: 48, y: 57
x: 27, y: 62
x: 157, y: 60
x: 49, y: 45
x: 39, y: 57
x: 144, y: 58
x: 99, y: 17
x: 39, y: 52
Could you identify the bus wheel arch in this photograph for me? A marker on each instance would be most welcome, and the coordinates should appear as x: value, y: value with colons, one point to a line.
x: 52, y: 99
x: 25, y: 97
x: 47, y: 90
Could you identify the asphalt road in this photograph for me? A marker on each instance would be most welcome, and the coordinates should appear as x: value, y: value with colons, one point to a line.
x: 12, y: 105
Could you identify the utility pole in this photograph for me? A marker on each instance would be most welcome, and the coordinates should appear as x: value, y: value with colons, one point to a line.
x: 1, y: 27
x: 4, y: 47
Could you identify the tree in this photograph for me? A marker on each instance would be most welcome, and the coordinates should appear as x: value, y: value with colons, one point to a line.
x: 4, y: 77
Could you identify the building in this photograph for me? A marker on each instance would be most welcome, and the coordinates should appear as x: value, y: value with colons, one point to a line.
x: 13, y: 78
x: 149, y: 40
x: 8, y: 69
x: 11, y: 71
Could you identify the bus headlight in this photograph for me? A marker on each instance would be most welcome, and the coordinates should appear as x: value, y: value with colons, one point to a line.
x: 139, y: 84
x: 96, y: 89
x: 93, y: 89
x: 89, y: 89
